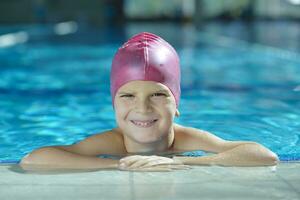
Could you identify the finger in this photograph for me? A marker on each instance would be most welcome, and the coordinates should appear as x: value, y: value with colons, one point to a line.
x: 139, y: 163
x: 148, y: 161
x: 177, y: 160
x: 165, y: 159
x: 171, y: 160
x: 137, y: 160
x: 162, y: 160
x: 131, y: 159
x: 158, y: 168
x: 153, y: 169
x: 155, y: 163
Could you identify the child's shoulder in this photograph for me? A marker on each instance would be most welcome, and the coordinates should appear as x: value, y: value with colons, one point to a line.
x: 185, y: 131
x: 189, y: 138
x: 189, y: 129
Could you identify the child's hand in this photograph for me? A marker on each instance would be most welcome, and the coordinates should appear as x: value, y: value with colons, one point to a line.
x: 150, y: 163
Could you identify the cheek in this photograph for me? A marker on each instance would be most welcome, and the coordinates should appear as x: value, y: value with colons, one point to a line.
x: 167, y: 113
x: 124, y: 105
x: 166, y: 105
x: 160, y: 100
x: 121, y: 114
x: 121, y: 111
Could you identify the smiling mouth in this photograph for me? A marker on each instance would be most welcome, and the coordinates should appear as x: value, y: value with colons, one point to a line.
x: 144, y: 124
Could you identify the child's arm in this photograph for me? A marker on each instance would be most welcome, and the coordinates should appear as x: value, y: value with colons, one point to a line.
x: 241, y: 155
x: 78, y: 156
x: 56, y: 158
x: 229, y: 153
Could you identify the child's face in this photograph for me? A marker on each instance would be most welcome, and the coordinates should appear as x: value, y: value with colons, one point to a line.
x: 145, y: 111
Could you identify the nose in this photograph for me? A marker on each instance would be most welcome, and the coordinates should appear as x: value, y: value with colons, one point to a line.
x: 143, y: 106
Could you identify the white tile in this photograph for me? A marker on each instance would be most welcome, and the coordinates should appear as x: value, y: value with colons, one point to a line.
x: 65, y: 192
x: 197, y: 183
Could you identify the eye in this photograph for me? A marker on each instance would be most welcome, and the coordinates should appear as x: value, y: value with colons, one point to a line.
x: 127, y: 95
x: 158, y: 94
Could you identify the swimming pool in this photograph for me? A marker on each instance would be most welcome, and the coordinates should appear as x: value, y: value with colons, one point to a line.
x: 54, y: 86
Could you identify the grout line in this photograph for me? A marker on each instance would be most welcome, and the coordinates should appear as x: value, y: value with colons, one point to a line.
x: 132, y: 189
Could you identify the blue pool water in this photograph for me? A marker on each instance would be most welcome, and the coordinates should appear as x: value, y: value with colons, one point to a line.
x: 239, y: 82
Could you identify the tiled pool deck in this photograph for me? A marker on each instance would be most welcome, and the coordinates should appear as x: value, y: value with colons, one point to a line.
x: 197, y: 183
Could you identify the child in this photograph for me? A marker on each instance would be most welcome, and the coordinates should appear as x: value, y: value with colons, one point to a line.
x: 145, y: 89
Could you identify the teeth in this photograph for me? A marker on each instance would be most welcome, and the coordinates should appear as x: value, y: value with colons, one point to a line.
x: 143, y: 124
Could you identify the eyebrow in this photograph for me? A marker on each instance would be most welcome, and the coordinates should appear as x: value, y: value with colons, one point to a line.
x: 129, y: 92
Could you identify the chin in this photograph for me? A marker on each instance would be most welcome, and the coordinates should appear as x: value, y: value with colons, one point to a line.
x: 147, y: 141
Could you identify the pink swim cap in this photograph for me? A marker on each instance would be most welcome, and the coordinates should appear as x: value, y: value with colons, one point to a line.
x: 146, y: 57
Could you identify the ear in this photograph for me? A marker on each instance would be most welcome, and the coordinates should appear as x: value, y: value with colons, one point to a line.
x: 177, y: 113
